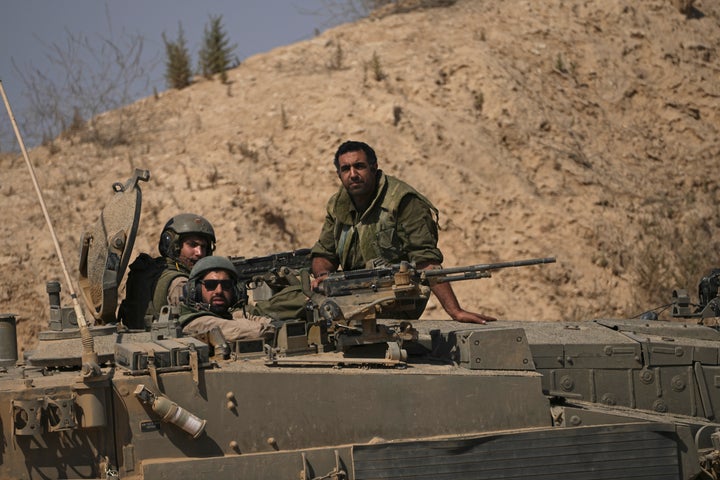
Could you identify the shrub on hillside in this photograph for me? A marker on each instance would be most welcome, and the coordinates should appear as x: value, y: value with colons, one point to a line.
x: 216, y: 52
x: 178, y: 73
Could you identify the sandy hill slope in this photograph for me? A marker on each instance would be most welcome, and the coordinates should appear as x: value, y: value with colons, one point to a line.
x: 582, y: 130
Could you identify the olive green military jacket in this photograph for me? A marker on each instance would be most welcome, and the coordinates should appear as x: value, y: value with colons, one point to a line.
x: 173, y: 270
x: 399, y: 225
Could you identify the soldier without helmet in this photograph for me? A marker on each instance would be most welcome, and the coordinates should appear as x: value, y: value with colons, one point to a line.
x: 373, y: 219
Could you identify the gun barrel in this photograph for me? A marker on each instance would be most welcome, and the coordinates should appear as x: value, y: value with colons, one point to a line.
x: 485, y: 267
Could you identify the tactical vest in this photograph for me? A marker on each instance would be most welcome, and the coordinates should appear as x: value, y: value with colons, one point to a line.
x: 160, y: 293
x: 146, y: 290
x: 377, y: 228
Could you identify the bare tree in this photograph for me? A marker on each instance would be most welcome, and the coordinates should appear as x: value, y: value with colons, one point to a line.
x: 82, y: 78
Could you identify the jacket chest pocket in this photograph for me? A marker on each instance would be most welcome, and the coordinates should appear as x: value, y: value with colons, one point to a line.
x: 388, y: 244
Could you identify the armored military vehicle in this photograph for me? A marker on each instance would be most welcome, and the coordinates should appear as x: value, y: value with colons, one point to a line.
x: 349, y: 394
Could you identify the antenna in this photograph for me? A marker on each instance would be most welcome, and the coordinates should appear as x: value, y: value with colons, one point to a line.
x: 90, y: 367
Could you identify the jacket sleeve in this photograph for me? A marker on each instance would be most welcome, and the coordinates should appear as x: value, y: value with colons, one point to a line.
x: 418, y: 231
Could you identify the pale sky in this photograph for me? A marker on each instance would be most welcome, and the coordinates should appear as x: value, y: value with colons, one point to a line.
x: 28, y: 27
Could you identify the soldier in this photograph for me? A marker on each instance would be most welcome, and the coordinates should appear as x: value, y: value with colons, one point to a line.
x: 185, y: 239
x: 156, y: 282
x: 375, y: 218
x: 211, y: 296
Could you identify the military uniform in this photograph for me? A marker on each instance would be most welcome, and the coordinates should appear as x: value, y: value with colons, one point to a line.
x: 168, y: 289
x: 195, y: 316
x: 155, y: 282
x: 399, y: 225
x: 151, y: 284
x: 234, y: 325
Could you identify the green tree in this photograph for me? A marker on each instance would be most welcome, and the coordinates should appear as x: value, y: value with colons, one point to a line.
x: 216, y: 52
x: 178, y: 73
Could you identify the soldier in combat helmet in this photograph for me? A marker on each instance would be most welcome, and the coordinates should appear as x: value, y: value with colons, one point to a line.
x: 155, y: 282
x: 211, y: 298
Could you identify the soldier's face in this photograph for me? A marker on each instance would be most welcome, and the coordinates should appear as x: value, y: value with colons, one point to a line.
x: 220, y: 297
x: 193, y: 248
x: 357, y: 175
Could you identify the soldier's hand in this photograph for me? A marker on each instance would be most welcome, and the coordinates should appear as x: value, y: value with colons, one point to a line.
x: 316, y: 281
x: 470, y: 317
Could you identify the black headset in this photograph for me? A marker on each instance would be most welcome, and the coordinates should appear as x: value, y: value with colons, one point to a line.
x: 167, y: 239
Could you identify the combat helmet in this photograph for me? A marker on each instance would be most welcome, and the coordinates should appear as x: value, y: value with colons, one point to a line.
x: 193, y: 292
x: 178, y: 227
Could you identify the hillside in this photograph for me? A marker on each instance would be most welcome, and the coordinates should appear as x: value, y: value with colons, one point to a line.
x: 582, y: 130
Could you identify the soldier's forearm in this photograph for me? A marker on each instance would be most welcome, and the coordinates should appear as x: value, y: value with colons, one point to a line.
x: 447, y: 298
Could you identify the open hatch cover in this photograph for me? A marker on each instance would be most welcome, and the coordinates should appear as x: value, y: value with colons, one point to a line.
x: 106, y: 248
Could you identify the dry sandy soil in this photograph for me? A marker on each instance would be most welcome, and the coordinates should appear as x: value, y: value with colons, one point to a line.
x: 570, y: 128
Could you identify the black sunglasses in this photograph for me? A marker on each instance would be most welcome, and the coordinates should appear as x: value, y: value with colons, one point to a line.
x: 211, y: 285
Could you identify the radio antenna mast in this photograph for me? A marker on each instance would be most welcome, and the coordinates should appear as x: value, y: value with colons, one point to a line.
x: 90, y: 367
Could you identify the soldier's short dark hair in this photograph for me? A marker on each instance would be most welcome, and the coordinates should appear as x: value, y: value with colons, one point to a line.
x: 353, y: 146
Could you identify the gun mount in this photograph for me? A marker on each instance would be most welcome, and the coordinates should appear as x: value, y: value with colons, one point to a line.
x: 351, y: 302
x: 606, y: 399
x: 276, y: 269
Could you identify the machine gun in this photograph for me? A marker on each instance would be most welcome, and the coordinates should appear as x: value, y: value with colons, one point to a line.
x: 348, y: 283
x: 350, y: 302
x: 276, y: 270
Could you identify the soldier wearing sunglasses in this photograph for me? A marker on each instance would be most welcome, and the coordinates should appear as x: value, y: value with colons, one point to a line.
x: 212, y: 298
